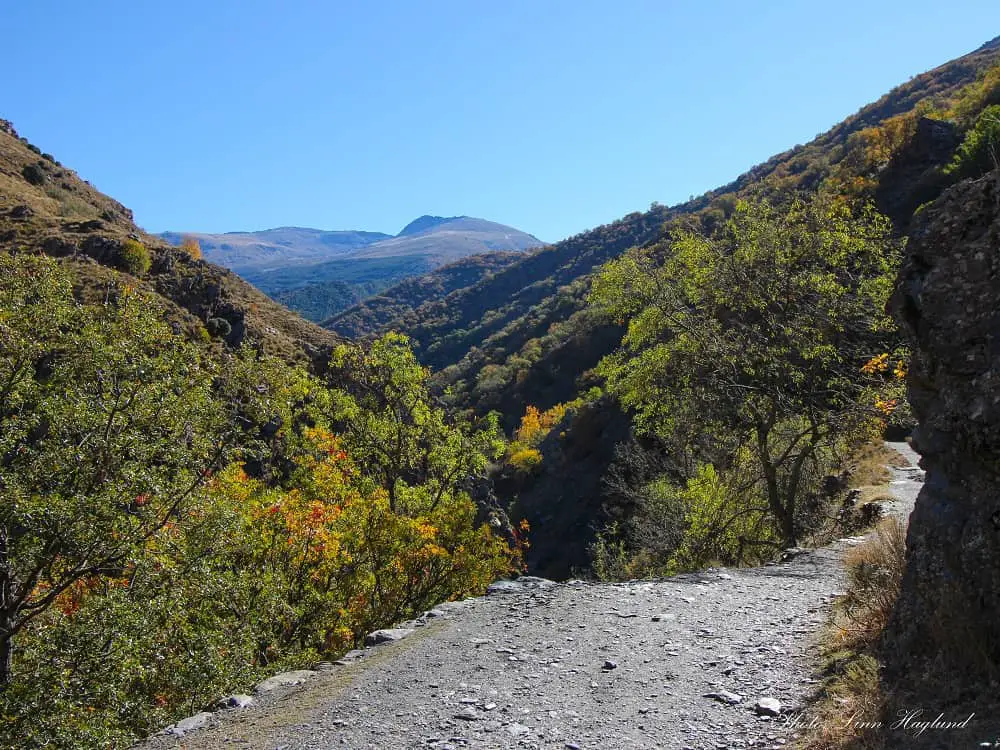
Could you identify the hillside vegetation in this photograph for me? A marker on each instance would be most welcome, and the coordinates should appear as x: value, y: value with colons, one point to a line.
x: 199, y: 487
x: 528, y: 337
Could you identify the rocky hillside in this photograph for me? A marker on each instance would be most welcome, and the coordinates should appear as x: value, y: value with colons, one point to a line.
x: 318, y: 273
x: 942, y: 649
x: 485, y: 336
x: 46, y: 207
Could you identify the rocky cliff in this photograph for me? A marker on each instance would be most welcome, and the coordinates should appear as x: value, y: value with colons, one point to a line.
x: 942, y: 648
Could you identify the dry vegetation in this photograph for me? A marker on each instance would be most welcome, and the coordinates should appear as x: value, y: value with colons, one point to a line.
x: 851, y: 695
x: 46, y: 207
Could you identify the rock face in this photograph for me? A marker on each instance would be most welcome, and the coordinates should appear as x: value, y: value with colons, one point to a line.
x: 942, y: 647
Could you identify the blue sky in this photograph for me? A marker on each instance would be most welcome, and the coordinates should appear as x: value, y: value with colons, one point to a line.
x: 551, y: 116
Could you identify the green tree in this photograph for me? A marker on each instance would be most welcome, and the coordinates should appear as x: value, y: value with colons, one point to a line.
x: 979, y: 152
x: 386, y: 412
x: 107, y: 432
x: 755, y: 338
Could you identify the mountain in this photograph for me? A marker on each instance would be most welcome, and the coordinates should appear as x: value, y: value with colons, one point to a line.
x: 275, y: 248
x: 318, y: 273
x: 524, y: 335
x: 47, y: 208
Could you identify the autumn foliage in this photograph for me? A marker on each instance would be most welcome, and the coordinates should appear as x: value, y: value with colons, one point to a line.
x: 175, y: 526
x: 191, y: 246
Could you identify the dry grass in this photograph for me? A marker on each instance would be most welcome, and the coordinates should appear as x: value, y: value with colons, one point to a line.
x: 874, y: 573
x: 851, y: 699
x: 851, y: 695
x: 869, y: 465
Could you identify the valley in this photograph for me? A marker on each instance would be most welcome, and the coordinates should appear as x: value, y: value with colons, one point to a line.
x: 595, y: 488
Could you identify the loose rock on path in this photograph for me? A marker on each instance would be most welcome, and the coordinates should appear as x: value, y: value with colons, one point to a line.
x: 709, y: 661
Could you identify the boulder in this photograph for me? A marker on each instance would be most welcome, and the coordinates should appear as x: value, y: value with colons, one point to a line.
x: 942, y: 646
x: 387, y: 635
x: 189, y: 724
x: 285, y: 679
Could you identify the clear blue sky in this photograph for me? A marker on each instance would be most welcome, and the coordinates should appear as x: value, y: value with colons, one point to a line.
x: 551, y: 116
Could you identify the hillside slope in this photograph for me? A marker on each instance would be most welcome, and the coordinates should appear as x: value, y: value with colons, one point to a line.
x: 45, y: 207
x: 486, y: 336
x: 525, y: 335
x: 376, y: 312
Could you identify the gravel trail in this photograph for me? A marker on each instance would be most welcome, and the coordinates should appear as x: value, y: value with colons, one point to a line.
x: 680, y: 663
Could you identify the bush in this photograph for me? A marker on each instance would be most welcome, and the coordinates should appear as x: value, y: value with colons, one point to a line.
x: 219, y: 327
x: 524, y: 459
x: 980, y: 151
x: 133, y: 258
x: 34, y: 174
x: 190, y: 246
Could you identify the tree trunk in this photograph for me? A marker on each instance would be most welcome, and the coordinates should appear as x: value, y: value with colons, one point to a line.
x: 6, y: 657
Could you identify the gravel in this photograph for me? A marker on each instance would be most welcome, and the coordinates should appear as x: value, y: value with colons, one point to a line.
x: 536, y: 664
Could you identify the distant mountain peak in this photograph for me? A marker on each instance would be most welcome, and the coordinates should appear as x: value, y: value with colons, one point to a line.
x: 426, y: 222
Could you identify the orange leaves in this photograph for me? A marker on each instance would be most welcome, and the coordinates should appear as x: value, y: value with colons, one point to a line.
x: 535, y: 425
x: 885, y: 140
x: 886, y: 405
x: 338, y: 561
x: 191, y: 246
x: 876, y: 364
x: 69, y: 601
x: 880, y: 364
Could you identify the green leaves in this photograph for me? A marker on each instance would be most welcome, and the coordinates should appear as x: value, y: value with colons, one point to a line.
x: 980, y: 151
x: 385, y: 410
x: 172, y: 521
x: 735, y: 336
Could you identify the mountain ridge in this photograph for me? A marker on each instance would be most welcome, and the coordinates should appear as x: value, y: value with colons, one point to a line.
x: 318, y: 272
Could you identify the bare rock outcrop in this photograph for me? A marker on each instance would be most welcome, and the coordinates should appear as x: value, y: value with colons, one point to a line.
x: 942, y: 647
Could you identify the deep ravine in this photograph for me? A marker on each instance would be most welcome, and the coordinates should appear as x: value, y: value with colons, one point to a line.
x: 574, y: 665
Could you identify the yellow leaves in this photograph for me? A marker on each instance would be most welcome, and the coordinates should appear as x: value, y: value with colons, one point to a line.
x: 880, y: 364
x: 191, y: 246
x: 536, y: 425
x: 336, y: 556
x: 877, y: 364
x: 425, y: 530
x: 885, y: 140
x: 525, y: 460
x: 886, y: 405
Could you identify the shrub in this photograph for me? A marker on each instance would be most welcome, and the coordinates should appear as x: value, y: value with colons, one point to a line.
x: 874, y: 571
x: 133, y: 258
x: 219, y: 327
x: 190, y: 246
x: 524, y: 459
x: 34, y: 174
x: 980, y: 151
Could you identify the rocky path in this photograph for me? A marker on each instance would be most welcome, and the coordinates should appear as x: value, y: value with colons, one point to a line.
x: 697, y: 661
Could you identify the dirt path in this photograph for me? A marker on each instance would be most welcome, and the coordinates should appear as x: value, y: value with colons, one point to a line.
x: 573, y: 665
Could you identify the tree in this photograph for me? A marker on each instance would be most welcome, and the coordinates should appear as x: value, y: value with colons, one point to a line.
x: 192, y: 247
x: 384, y: 409
x: 755, y: 339
x: 107, y: 432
